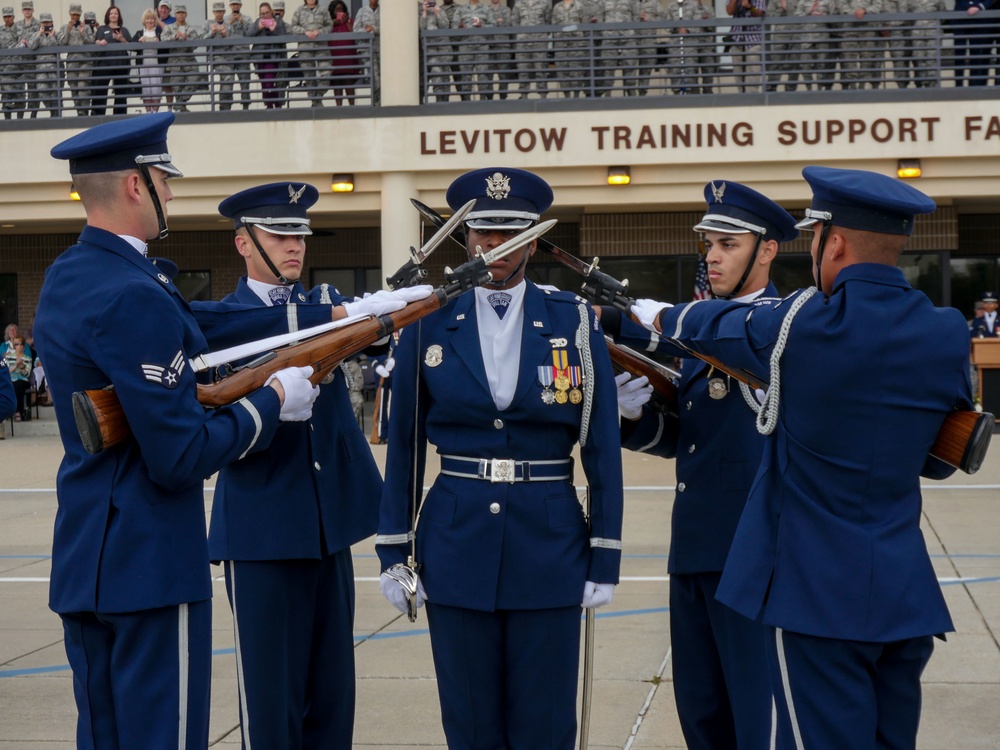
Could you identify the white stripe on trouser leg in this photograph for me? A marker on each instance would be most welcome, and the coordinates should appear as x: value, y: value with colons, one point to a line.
x: 182, y: 674
x: 774, y: 724
x: 239, y: 658
x: 787, y: 688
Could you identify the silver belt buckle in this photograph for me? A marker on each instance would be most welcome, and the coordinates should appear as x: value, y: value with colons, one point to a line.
x: 502, y: 470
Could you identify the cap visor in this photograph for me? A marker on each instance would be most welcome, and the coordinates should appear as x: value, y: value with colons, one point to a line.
x: 170, y: 169
x: 284, y: 229
x: 499, y: 224
x: 714, y: 225
x: 807, y: 223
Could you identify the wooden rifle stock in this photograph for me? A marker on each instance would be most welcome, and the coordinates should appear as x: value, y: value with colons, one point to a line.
x: 623, y: 359
x: 101, y: 421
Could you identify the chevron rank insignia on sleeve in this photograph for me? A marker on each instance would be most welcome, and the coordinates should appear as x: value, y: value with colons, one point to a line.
x: 168, y: 377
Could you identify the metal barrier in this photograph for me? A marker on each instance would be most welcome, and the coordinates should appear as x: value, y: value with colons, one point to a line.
x: 709, y: 57
x: 203, y: 75
x: 692, y: 58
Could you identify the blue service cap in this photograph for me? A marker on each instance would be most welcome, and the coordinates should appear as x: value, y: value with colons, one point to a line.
x: 737, y: 209
x: 505, y: 198
x: 278, y: 208
x: 118, y: 145
x: 867, y: 201
x: 989, y: 297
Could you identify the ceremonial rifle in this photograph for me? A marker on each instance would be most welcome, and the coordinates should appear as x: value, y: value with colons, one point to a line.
x: 962, y: 441
x: 101, y: 420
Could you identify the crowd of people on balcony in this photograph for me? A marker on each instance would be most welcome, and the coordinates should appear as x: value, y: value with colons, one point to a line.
x: 570, y: 62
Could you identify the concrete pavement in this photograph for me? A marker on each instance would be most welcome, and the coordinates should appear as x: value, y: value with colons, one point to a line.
x: 397, y: 699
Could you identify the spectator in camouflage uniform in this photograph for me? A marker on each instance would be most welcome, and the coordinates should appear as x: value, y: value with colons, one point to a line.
x: 692, y: 62
x: 861, y: 53
x: 593, y: 12
x: 911, y: 43
x: 24, y: 30
x: 499, y: 50
x: 567, y: 46
x: 433, y: 16
x: 42, y: 84
x: 645, y: 45
x: 618, y: 46
x: 216, y: 28
x: 532, y: 54
x: 182, y: 74
x: 77, y: 33
x: 784, y: 46
x: 367, y: 20
x: 460, y: 63
x: 311, y: 19
x: 8, y: 72
x: 819, y: 48
x: 239, y: 25
x: 477, y: 63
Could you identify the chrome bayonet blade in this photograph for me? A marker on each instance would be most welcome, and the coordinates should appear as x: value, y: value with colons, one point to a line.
x: 516, y: 243
x: 419, y: 256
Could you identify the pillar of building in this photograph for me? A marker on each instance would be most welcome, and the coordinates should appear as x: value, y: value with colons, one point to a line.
x: 400, y: 32
x: 400, y: 222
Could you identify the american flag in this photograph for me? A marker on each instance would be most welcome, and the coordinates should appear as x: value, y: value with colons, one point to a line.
x: 701, y: 287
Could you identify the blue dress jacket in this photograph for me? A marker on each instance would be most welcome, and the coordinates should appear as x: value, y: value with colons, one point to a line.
x: 130, y: 526
x: 535, y: 550
x: 718, y: 452
x: 830, y: 543
x: 8, y: 401
x: 314, y: 491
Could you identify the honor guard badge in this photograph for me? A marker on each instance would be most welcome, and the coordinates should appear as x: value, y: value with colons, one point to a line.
x: 497, y: 186
x: 500, y: 301
x: 169, y: 377
x: 434, y: 355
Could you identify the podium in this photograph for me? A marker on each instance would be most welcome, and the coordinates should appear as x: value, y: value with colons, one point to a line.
x: 986, y: 358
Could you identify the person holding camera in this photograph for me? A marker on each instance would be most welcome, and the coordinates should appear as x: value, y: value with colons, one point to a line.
x: 111, y: 65
x: 269, y: 57
x: 746, y: 48
x: 345, y: 67
x: 41, y: 88
x: 77, y: 33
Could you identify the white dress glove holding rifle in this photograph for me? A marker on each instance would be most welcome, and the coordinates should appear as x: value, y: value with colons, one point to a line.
x: 597, y: 594
x: 397, y: 595
x: 297, y: 393
x: 383, y: 302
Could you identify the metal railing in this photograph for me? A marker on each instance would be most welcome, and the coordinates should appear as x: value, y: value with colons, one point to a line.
x: 188, y: 76
x: 694, y: 58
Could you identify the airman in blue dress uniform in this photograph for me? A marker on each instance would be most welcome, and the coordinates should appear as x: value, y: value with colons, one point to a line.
x: 986, y: 326
x: 721, y: 684
x: 284, y: 519
x: 504, y: 381
x: 130, y: 571
x: 828, y: 553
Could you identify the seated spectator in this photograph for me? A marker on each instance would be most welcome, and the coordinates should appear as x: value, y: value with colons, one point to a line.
x: 148, y: 60
x: 19, y: 365
x: 10, y: 333
x: 346, y: 68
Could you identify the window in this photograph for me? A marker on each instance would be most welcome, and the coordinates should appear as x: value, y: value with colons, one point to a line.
x: 194, y: 285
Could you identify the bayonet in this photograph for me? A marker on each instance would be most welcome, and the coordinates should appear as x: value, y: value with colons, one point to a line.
x: 413, y: 271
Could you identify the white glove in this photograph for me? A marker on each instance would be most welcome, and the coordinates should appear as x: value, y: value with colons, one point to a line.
x: 597, y: 594
x: 299, y: 393
x: 632, y: 394
x: 383, y: 371
x: 647, y: 312
x: 383, y: 302
x: 396, y: 594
